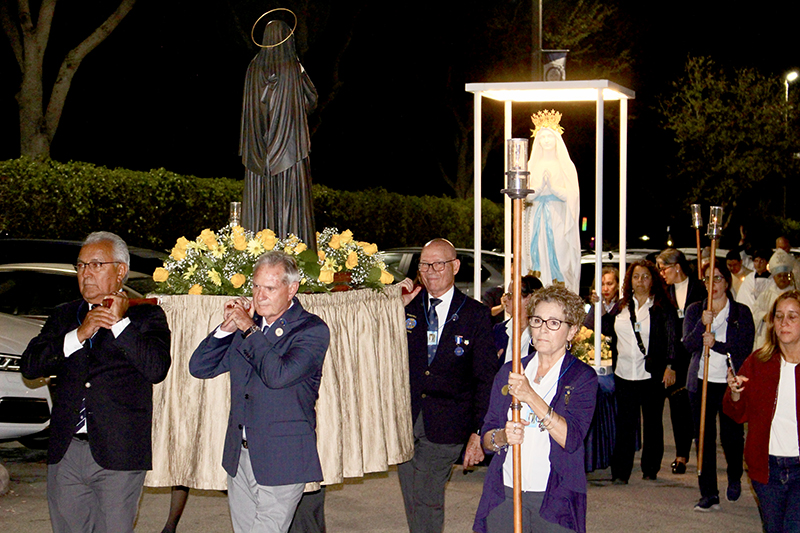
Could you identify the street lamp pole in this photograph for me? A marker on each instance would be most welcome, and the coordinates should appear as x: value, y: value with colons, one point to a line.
x: 787, y: 79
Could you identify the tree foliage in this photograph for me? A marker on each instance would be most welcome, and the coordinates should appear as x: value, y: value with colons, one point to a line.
x: 28, y: 32
x: 731, y: 133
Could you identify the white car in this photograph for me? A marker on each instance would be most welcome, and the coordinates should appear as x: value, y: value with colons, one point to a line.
x: 25, y: 405
x: 33, y: 290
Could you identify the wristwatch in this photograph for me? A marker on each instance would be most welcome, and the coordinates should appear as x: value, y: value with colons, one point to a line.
x: 246, y: 333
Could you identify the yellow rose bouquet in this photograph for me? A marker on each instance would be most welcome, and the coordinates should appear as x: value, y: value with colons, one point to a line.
x: 221, y: 262
x: 583, y: 346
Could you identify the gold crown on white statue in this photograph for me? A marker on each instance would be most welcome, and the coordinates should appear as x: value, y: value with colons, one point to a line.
x: 546, y: 119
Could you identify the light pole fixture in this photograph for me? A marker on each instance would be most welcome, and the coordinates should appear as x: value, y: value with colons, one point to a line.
x: 787, y: 79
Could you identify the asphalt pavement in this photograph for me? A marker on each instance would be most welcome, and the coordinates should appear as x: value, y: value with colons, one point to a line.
x: 374, y: 504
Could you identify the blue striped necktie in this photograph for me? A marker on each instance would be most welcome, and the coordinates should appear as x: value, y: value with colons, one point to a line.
x: 433, y: 329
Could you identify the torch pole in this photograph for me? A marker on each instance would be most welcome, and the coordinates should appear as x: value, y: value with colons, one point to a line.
x: 520, y: 314
x: 699, y: 257
x: 516, y: 189
x: 697, y: 223
x: 714, y: 232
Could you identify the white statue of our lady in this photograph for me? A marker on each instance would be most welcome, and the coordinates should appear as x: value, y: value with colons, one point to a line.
x: 550, y: 232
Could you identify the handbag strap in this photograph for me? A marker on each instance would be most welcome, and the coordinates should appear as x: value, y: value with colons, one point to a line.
x: 632, y: 313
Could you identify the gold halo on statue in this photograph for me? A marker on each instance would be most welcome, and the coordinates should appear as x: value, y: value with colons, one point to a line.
x: 252, y: 36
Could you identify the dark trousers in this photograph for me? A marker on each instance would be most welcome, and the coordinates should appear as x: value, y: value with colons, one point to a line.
x: 779, y: 499
x: 309, y: 517
x: 423, y: 479
x: 680, y: 414
x: 731, y: 436
x: 501, y: 518
x: 644, y: 397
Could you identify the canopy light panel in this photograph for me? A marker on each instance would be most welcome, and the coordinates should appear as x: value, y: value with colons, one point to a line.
x: 551, y: 91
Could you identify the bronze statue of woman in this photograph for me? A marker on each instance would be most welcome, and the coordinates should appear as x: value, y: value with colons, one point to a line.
x: 274, y: 142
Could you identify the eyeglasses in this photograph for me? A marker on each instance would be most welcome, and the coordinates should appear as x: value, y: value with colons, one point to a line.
x: 643, y: 277
x: 438, y: 266
x: 93, y: 266
x: 662, y: 268
x: 553, y: 324
x: 717, y: 279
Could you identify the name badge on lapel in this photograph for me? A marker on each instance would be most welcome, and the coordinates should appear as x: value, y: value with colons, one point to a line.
x: 680, y: 313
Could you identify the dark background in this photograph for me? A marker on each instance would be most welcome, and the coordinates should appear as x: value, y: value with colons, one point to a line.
x: 164, y: 90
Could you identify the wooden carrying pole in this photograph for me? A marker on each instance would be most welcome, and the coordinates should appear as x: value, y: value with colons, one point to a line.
x: 714, y: 234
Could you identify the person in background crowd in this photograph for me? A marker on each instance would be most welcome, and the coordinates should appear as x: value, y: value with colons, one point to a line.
x: 452, y: 362
x: 502, y: 332
x: 766, y: 395
x: 754, y: 283
x: 731, y: 333
x: 733, y: 261
x: 683, y: 289
x: 780, y: 267
x: 609, y: 290
x: 782, y: 243
x: 643, y: 339
x: 558, y: 395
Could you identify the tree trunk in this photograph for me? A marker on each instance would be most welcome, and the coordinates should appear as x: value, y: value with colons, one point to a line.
x: 38, y: 121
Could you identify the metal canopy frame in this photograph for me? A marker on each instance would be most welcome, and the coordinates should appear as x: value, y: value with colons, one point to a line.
x: 598, y: 91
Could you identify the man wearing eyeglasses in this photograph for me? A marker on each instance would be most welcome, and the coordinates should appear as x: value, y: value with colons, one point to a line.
x: 106, y: 357
x: 452, y: 363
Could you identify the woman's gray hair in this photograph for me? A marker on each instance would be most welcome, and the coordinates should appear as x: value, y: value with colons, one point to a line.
x: 571, y: 303
x: 291, y: 274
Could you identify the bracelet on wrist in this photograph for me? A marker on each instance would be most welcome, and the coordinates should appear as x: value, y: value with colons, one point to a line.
x: 547, y: 418
x: 495, y: 446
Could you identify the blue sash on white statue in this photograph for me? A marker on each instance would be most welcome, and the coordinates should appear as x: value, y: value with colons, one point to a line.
x: 540, y: 213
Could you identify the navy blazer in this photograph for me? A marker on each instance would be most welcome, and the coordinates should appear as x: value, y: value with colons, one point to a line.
x: 739, y: 336
x: 275, y: 380
x: 452, y: 393
x: 114, y: 375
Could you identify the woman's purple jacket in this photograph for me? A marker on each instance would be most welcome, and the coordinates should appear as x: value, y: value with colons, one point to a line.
x: 565, y: 496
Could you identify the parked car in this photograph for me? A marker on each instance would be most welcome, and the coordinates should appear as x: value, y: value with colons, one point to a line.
x: 25, y: 405
x: 406, y: 261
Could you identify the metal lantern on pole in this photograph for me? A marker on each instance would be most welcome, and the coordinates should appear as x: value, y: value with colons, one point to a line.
x: 516, y: 189
x: 697, y: 223
x: 714, y: 233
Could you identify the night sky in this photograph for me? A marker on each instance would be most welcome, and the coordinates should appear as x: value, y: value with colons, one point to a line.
x: 164, y: 90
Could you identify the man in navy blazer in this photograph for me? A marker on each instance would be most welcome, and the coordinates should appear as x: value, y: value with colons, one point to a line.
x: 274, y: 350
x: 106, y: 361
x: 452, y: 363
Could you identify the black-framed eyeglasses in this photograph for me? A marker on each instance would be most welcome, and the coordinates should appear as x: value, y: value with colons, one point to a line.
x: 437, y: 266
x: 94, y: 266
x: 717, y: 279
x: 662, y: 268
x: 553, y: 324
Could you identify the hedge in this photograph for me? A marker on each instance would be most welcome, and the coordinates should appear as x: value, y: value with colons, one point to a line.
x: 48, y: 199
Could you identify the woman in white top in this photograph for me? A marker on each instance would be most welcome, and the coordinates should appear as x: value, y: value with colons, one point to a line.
x: 643, y: 338
x: 766, y: 396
